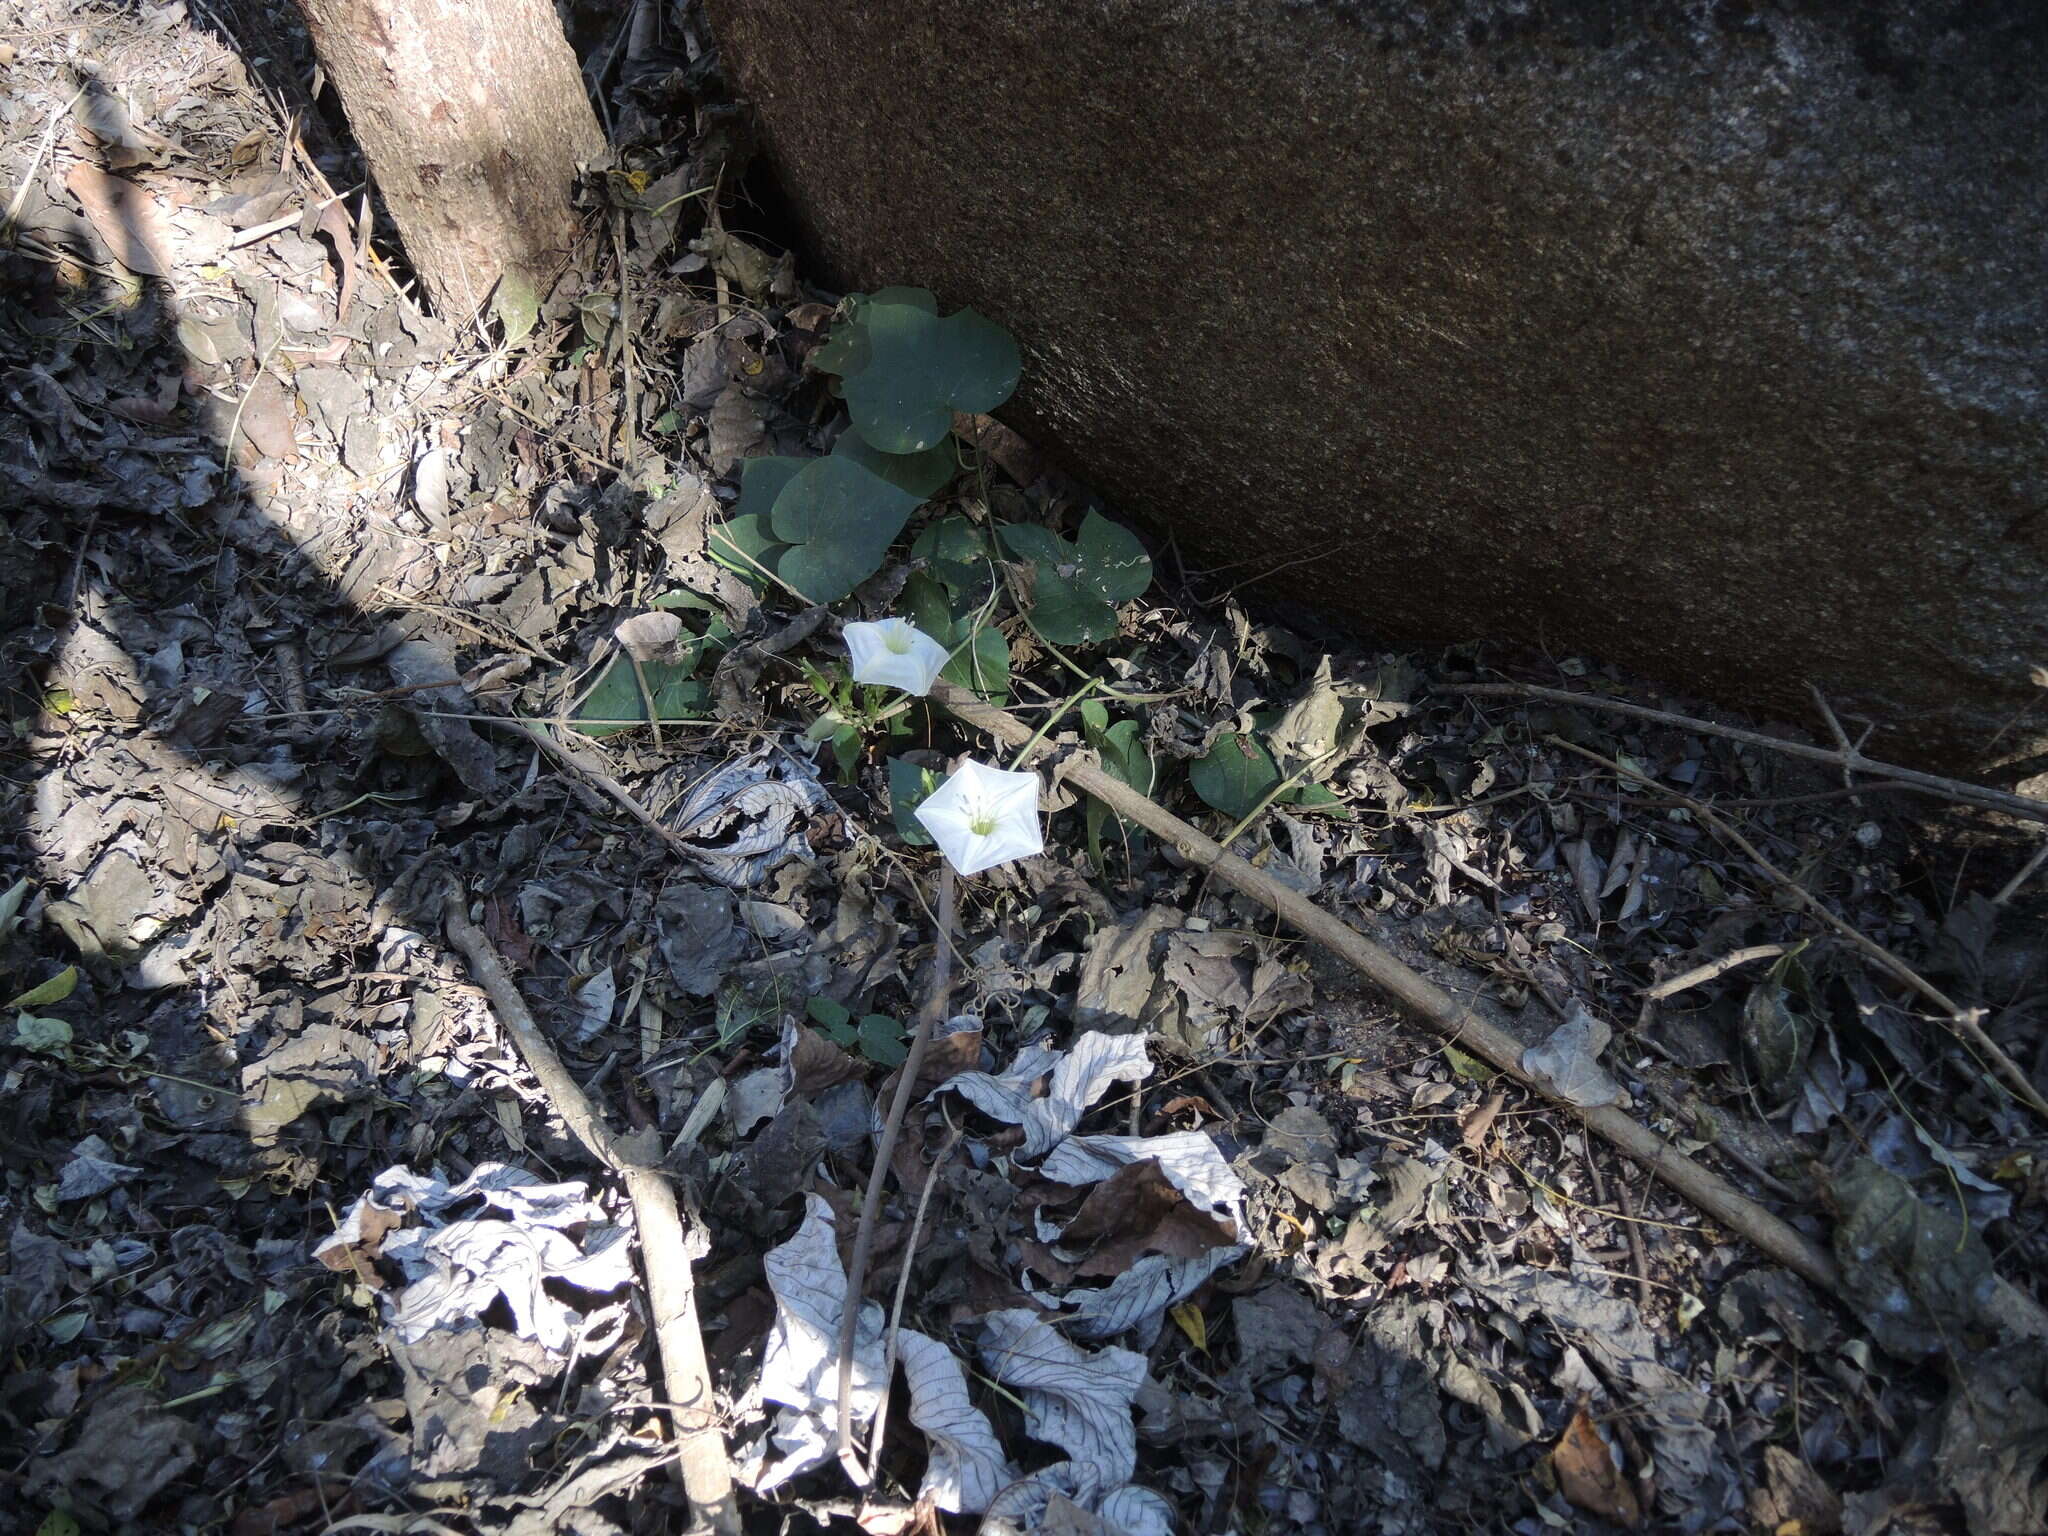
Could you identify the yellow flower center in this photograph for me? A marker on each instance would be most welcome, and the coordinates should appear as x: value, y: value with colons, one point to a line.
x: 897, y: 639
x: 981, y: 824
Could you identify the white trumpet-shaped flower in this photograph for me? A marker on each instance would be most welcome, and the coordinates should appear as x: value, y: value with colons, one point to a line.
x: 894, y: 654
x: 981, y: 817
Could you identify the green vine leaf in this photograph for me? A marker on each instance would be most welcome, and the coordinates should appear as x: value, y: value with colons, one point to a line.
x: 1237, y: 773
x: 1121, y: 746
x: 1077, y: 586
x: 1234, y: 775
x: 923, y: 475
x: 960, y: 555
x: 909, y: 787
x: 745, y: 545
x: 846, y: 350
x: 881, y: 1040
x: 839, y: 521
x: 982, y: 665
x: 745, y: 542
x: 834, y: 1018
x: 904, y: 371
x: 762, y: 481
x: 616, y: 704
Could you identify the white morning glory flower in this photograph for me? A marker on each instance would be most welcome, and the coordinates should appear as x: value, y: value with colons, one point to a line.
x: 981, y: 817
x: 894, y: 654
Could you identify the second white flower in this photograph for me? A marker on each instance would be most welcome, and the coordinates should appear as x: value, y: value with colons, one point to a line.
x: 981, y: 817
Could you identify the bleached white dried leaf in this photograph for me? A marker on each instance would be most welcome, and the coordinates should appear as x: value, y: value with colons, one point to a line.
x: 458, y: 1272
x: 1077, y: 1399
x: 1050, y: 1498
x: 595, y: 999
x: 982, y: 816
x: 649, y: 636
x: 1189, y: 1159
x: 894, y: 653
x: 755, y: 1097
x: 1136, y: 1300
x: 800, y: 1367
x: 1094, y: 1064
x: 1567, y: 1062
x: 1080, y: 1076
x: 1136, y: 1511
x: 966, y: 1467
x: 457, y: 1269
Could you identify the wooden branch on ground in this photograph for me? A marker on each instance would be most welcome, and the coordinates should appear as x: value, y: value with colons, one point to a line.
x: 928, y: 1022
x: 1847, y: 758
x: 671, y: 1289
x: 1431, y: 1006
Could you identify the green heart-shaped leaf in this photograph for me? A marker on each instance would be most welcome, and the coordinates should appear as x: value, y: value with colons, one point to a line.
x: 761, y: 481
x: 923, y: 475
x: 1124, y: 758
x: 839, y: 521
x: 1121, y: 747
x: 960, y: 554
x: 745, y: 545
x: 919, y: 370
x: 1234, y: 775
x: 832, y: 1017
x: 927, y: 606
x: 617, y: 697
x: 847, y: 350
x: 881, y: 1040
x: 916, y: 298
x: 983, y: 665
x: 1077, y: 586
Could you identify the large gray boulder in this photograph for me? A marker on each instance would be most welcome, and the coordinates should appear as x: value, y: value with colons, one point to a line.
x: 1707, y: 338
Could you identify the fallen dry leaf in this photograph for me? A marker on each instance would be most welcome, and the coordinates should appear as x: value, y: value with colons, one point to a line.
x: 269, y: 419
x: 1797, y: 1502
x: 1589, y: 1471
x: 125, y: 216
x: 1479, y: 1124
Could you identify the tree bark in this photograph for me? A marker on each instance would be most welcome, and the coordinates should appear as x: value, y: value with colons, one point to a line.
x: 472, y: 116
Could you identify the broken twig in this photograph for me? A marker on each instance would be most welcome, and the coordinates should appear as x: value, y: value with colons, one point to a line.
x: 1847, y: 758
x: 1967, y: 1023
x: 671, y: 1290
x: 1717, y: 967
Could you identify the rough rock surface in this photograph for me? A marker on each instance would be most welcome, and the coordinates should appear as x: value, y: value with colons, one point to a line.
x: 1703, y: 337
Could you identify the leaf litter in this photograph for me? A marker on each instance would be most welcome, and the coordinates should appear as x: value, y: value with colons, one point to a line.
x: 1209, y: 1241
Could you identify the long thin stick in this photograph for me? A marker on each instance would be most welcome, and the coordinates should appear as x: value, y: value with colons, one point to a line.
x: 1851, y: 759
x: 1966, y: 1022
x: 871, y: 1207
x: 1704, y: 973
x: 1435, y: 1008
x: 671, y: 1292
x: 903, y: 1273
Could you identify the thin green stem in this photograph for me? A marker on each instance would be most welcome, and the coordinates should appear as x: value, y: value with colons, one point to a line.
x: 725, y: 540
x: 1053, y: 719
x: 1079, y: 671
x: 1279, y: 789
